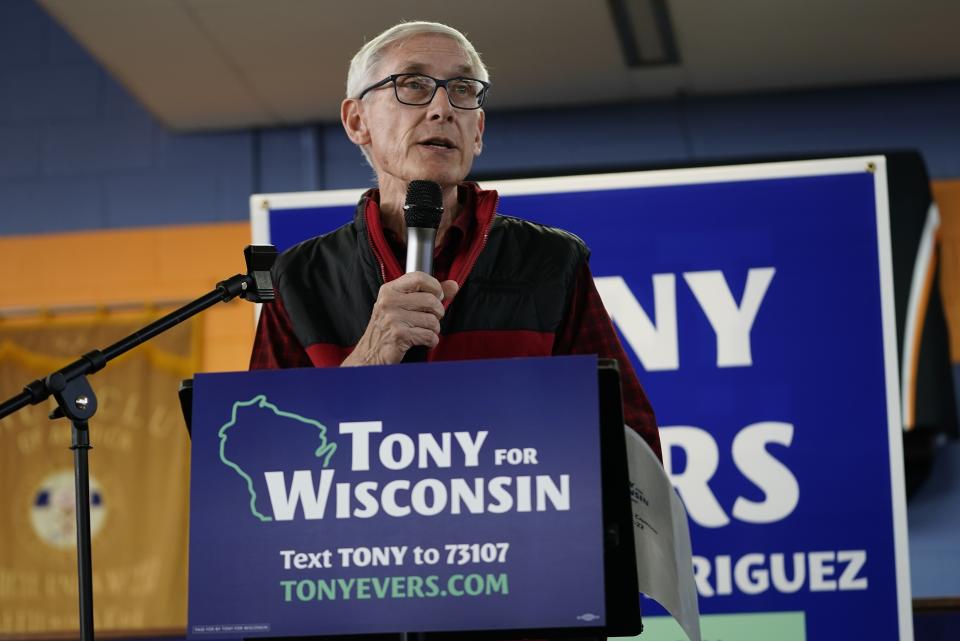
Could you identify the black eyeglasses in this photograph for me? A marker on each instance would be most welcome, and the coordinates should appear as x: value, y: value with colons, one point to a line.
x: 416, y: 89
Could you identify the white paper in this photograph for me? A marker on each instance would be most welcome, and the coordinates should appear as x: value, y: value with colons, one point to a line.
x: 661, y: 537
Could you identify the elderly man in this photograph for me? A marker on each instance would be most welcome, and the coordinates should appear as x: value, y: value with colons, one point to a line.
x: 501, y: 286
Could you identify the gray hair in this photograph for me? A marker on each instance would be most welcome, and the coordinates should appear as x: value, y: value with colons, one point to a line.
x: 365, y: 62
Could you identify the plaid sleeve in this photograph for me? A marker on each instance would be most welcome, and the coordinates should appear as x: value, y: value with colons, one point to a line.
x: 587, y: 329
x: 275, y: 345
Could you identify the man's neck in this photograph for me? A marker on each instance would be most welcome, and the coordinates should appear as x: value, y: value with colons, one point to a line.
x: 391, y: 209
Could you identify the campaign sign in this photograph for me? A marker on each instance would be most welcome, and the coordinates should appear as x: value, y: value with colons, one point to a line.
x: 756, y: 304
x: 450, y: 496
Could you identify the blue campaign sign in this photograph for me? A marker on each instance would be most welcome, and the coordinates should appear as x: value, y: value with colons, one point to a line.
x: 387, y: 499
x: 756, y: 304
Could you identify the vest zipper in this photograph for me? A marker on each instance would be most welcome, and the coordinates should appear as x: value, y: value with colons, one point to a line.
x: 468, y: 267
x: 373, y: 248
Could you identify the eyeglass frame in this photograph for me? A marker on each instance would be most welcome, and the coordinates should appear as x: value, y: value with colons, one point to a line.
x: 438, y: 83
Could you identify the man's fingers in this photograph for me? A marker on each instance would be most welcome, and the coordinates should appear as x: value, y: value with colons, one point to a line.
x: 424, y: 337
x: 427, y: 321
x: 399, y: 320
x: 450, y: 289
x: 408, y: 313
x: 421, y: 302
x: 417, y: 282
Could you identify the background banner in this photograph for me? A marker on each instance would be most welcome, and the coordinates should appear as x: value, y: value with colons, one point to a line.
x: 756, y: 302
x: 138, y: 481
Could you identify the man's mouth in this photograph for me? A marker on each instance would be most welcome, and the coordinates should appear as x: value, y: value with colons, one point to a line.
x: 438, y: 143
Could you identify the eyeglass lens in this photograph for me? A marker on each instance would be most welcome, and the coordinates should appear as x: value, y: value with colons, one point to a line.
x: 419, y: 90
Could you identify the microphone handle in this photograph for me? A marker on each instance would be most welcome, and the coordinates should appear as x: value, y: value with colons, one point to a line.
x: 420, y: 242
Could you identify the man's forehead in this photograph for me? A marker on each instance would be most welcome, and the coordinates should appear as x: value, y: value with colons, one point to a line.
x: 427, y: 52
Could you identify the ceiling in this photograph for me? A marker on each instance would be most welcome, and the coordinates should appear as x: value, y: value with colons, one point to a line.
x: 215, y: 64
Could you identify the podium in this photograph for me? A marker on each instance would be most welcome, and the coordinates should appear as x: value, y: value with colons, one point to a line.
x: 486, y: 499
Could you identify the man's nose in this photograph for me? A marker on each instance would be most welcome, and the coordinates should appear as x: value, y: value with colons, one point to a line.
x: 440, y: 107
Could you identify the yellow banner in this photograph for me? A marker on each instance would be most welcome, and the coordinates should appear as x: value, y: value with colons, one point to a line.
x: 139, y: 480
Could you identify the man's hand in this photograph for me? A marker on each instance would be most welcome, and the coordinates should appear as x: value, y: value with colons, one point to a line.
x: 407, y: 313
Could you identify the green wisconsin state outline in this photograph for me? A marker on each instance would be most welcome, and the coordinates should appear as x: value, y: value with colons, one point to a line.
x: 324, y: 452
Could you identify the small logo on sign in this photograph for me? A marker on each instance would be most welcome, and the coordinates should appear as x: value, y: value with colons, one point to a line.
x: 589, y: 616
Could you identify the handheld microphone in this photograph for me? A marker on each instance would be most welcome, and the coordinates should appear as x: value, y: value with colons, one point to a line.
x: 422, y: 211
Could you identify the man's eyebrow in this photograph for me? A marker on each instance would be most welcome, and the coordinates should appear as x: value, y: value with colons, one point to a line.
x: 416, y: 67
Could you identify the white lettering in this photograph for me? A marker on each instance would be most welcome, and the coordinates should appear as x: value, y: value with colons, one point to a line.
x: 389, y: 498
x: 373, y: 556
x: 655, y: 344
x: 364, y: 493
x: 722, y: 566
x: 343, y: 500
x: 498, y: 491
x: 305, y: 560
x: 757, y: 573
x: 751, y: 575
x: 775, y: 480
x: 778, y: 572
x: 821, y: 568
x: 523, y: 494
x: 855, y: 560
x: 431, y: 449
x: 471, y: 446
x: 404, y: 458
x: 558, y: 496
x: 418, y: 497
x: 462, y: 494
x: 701, y: 576
x: 360, y: 442
x: 284, y: 503
x: 702, y: 459
x: 731, y: 323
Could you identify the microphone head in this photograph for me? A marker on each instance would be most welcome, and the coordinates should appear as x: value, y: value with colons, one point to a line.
x: 424, y: 204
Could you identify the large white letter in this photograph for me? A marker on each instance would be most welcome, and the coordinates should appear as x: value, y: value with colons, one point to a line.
x: 654, y: 344
x: 418, y: 497
x: 388, y: 498
x: 360, y: 443
x: 730, y: 322
x: 301, y: 492
x: 404, y: 457
x: 558, y: 496
x: 773, y: 478
x: 703, y: 457
x: 430, y: 449
x: 471, y: 446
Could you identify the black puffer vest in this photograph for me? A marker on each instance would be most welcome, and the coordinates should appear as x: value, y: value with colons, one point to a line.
x: 516, y: 280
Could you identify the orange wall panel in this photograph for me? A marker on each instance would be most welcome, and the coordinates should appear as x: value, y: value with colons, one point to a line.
x: 117, y: 268
x: 947, y: 195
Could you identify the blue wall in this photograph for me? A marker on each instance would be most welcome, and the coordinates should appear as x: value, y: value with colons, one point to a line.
x: 77, y: 152
x: 934, y: 522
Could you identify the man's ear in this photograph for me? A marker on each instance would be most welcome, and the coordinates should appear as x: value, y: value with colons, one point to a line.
x: 478, y: 140
x: 351, y: 115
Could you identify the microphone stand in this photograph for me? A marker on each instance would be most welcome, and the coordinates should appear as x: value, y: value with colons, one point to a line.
x: 77, y: 401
